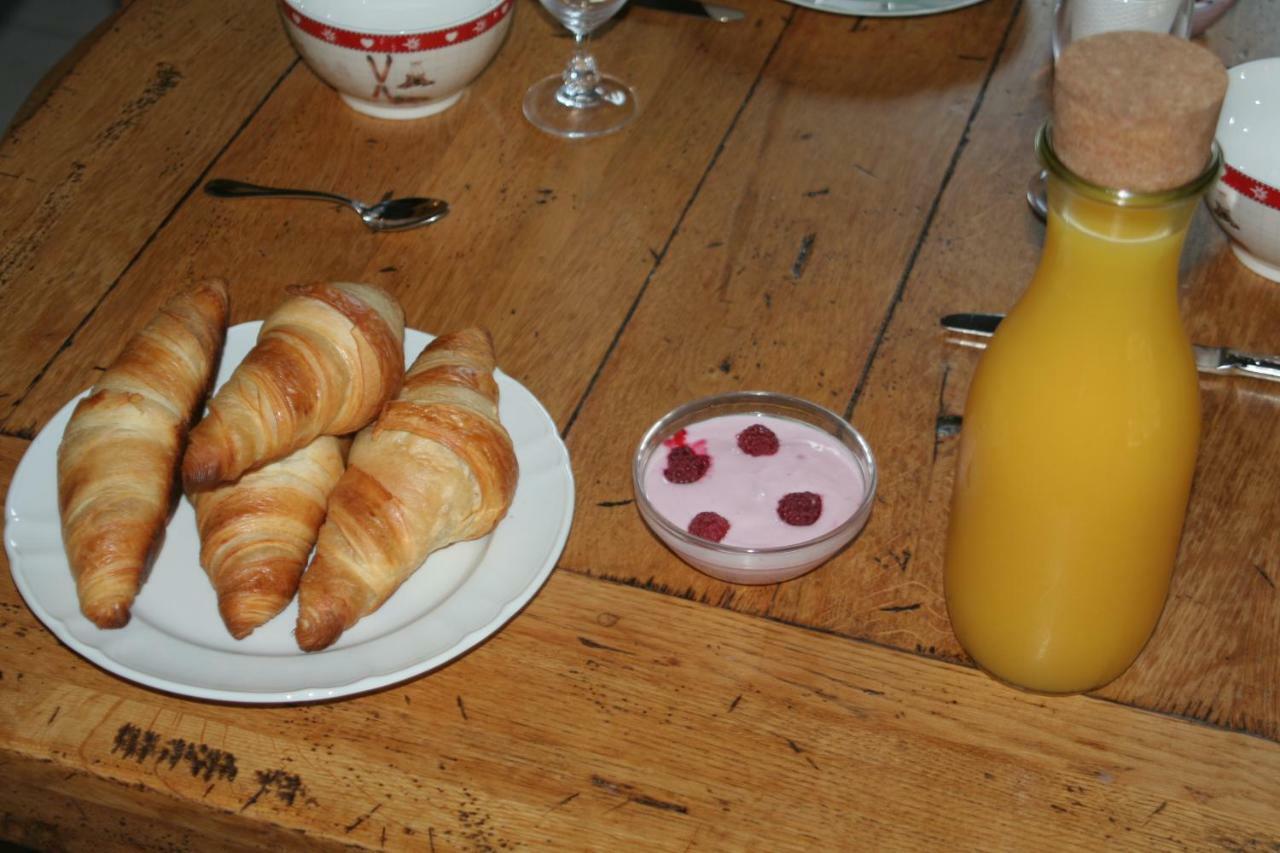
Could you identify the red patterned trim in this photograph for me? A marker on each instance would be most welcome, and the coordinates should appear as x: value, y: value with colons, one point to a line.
x: 401, y: 42
x: 1263, y: 194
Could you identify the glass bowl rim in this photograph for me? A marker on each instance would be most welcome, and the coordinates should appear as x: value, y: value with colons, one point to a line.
x: 652, y: 437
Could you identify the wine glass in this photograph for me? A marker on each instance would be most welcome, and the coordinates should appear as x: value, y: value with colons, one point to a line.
x: 580, y: 101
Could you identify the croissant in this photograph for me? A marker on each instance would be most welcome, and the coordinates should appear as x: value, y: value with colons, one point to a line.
x: 436, y: 467
x: 256, y: 533
x: 325, y: 361
x: 118, y: 459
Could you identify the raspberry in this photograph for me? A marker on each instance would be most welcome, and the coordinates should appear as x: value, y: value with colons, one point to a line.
x: 709, y: 525
x: 800, y: 509
x: 685, y: 466
x: 676, y: 440
x: 758, y: 440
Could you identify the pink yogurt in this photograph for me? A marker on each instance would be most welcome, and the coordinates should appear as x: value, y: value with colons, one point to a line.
x: 746, y: 489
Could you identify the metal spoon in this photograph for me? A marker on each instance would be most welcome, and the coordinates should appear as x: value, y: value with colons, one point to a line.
x: 390, y: 214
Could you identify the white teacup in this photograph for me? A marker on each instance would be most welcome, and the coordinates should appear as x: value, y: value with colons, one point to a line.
x: 397, y: 59
x: 1246, y: 198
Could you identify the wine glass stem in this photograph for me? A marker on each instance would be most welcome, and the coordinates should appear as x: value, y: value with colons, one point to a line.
x: 581, y: 77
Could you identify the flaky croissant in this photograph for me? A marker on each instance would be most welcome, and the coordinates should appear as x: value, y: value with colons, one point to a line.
x: 326, y: 360
x: 436, y: 467
x: 256, y: 533
x: 118, y: 459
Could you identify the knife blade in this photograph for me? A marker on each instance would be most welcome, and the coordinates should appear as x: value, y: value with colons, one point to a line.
x: 1218, y: 360
x: 723, y: 14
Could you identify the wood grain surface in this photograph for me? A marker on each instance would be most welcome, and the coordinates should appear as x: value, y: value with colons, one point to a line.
x: 606, y: 716
x: 787, y: 262
x: 1216, y: 653
x: 115, y: 148
x: 549, y: 244
x: 878, y: 354
x: 801, y: 198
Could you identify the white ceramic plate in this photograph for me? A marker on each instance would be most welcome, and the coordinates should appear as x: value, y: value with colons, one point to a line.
x: 885, y: 8
x: 176, y: 641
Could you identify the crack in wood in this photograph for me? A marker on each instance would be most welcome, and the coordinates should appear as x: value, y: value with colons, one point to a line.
x: 630, y: 795
x: 565, y: 801
x: 802, y: 257
x: 900, y: 608
x: 1257, y: 567
x: 592, y: 644
x: 350, y: 828
x: 945, y: 425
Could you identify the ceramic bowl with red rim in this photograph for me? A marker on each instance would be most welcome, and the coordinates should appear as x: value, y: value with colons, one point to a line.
x: 754, y: 487
x: 1246, y: 198
x: 397, y: 59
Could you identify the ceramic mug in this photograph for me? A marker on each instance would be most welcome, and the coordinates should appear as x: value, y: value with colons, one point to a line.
x: 395, y: 59
x: 1077, y: 19
x: 1246, y: 198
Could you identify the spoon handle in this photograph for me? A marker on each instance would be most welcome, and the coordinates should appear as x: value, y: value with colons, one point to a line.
x: 226, y: 188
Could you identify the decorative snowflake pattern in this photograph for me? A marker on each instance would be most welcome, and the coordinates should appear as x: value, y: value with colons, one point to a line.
x: 404, y: 43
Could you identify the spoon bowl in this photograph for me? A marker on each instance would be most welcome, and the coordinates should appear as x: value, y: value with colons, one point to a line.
x: 389, y: 214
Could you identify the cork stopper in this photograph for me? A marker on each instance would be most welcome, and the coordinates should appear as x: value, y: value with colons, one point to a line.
x: 1136, y: 110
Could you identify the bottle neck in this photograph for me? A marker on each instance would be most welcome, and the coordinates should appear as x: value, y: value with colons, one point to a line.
x: 1111, y: 251
x: 1096, y: 243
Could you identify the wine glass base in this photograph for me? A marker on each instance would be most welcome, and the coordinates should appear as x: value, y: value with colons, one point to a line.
x: 612, y: 110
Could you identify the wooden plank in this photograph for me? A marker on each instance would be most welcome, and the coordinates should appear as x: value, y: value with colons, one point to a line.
x: 549, y: 240
x: 49, y: 81
x: 606, y: 716
x: 980, y: 250
x: 1216, y: 653
x: 787, y: 262
x: 56, y: 808
x: 114, y: 148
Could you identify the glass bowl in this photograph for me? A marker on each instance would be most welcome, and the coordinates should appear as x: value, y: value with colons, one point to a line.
x: 737, y: 564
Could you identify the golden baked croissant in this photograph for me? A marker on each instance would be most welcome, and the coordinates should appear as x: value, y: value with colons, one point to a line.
x: 436, y: 467
x: 256, y: 533
x: 325, y: 362
x: 118, y: 459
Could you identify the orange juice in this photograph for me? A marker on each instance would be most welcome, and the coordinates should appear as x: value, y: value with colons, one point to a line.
x: 1077, y: 450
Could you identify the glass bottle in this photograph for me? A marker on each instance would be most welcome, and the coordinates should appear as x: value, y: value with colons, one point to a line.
x: 1079, y: 444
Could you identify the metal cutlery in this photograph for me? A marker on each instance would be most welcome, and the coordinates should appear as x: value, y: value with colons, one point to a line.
x: 1218, y: 360
x: 390, y: 214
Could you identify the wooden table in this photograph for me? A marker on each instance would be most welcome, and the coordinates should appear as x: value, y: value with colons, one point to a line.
x: 801, y: 198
